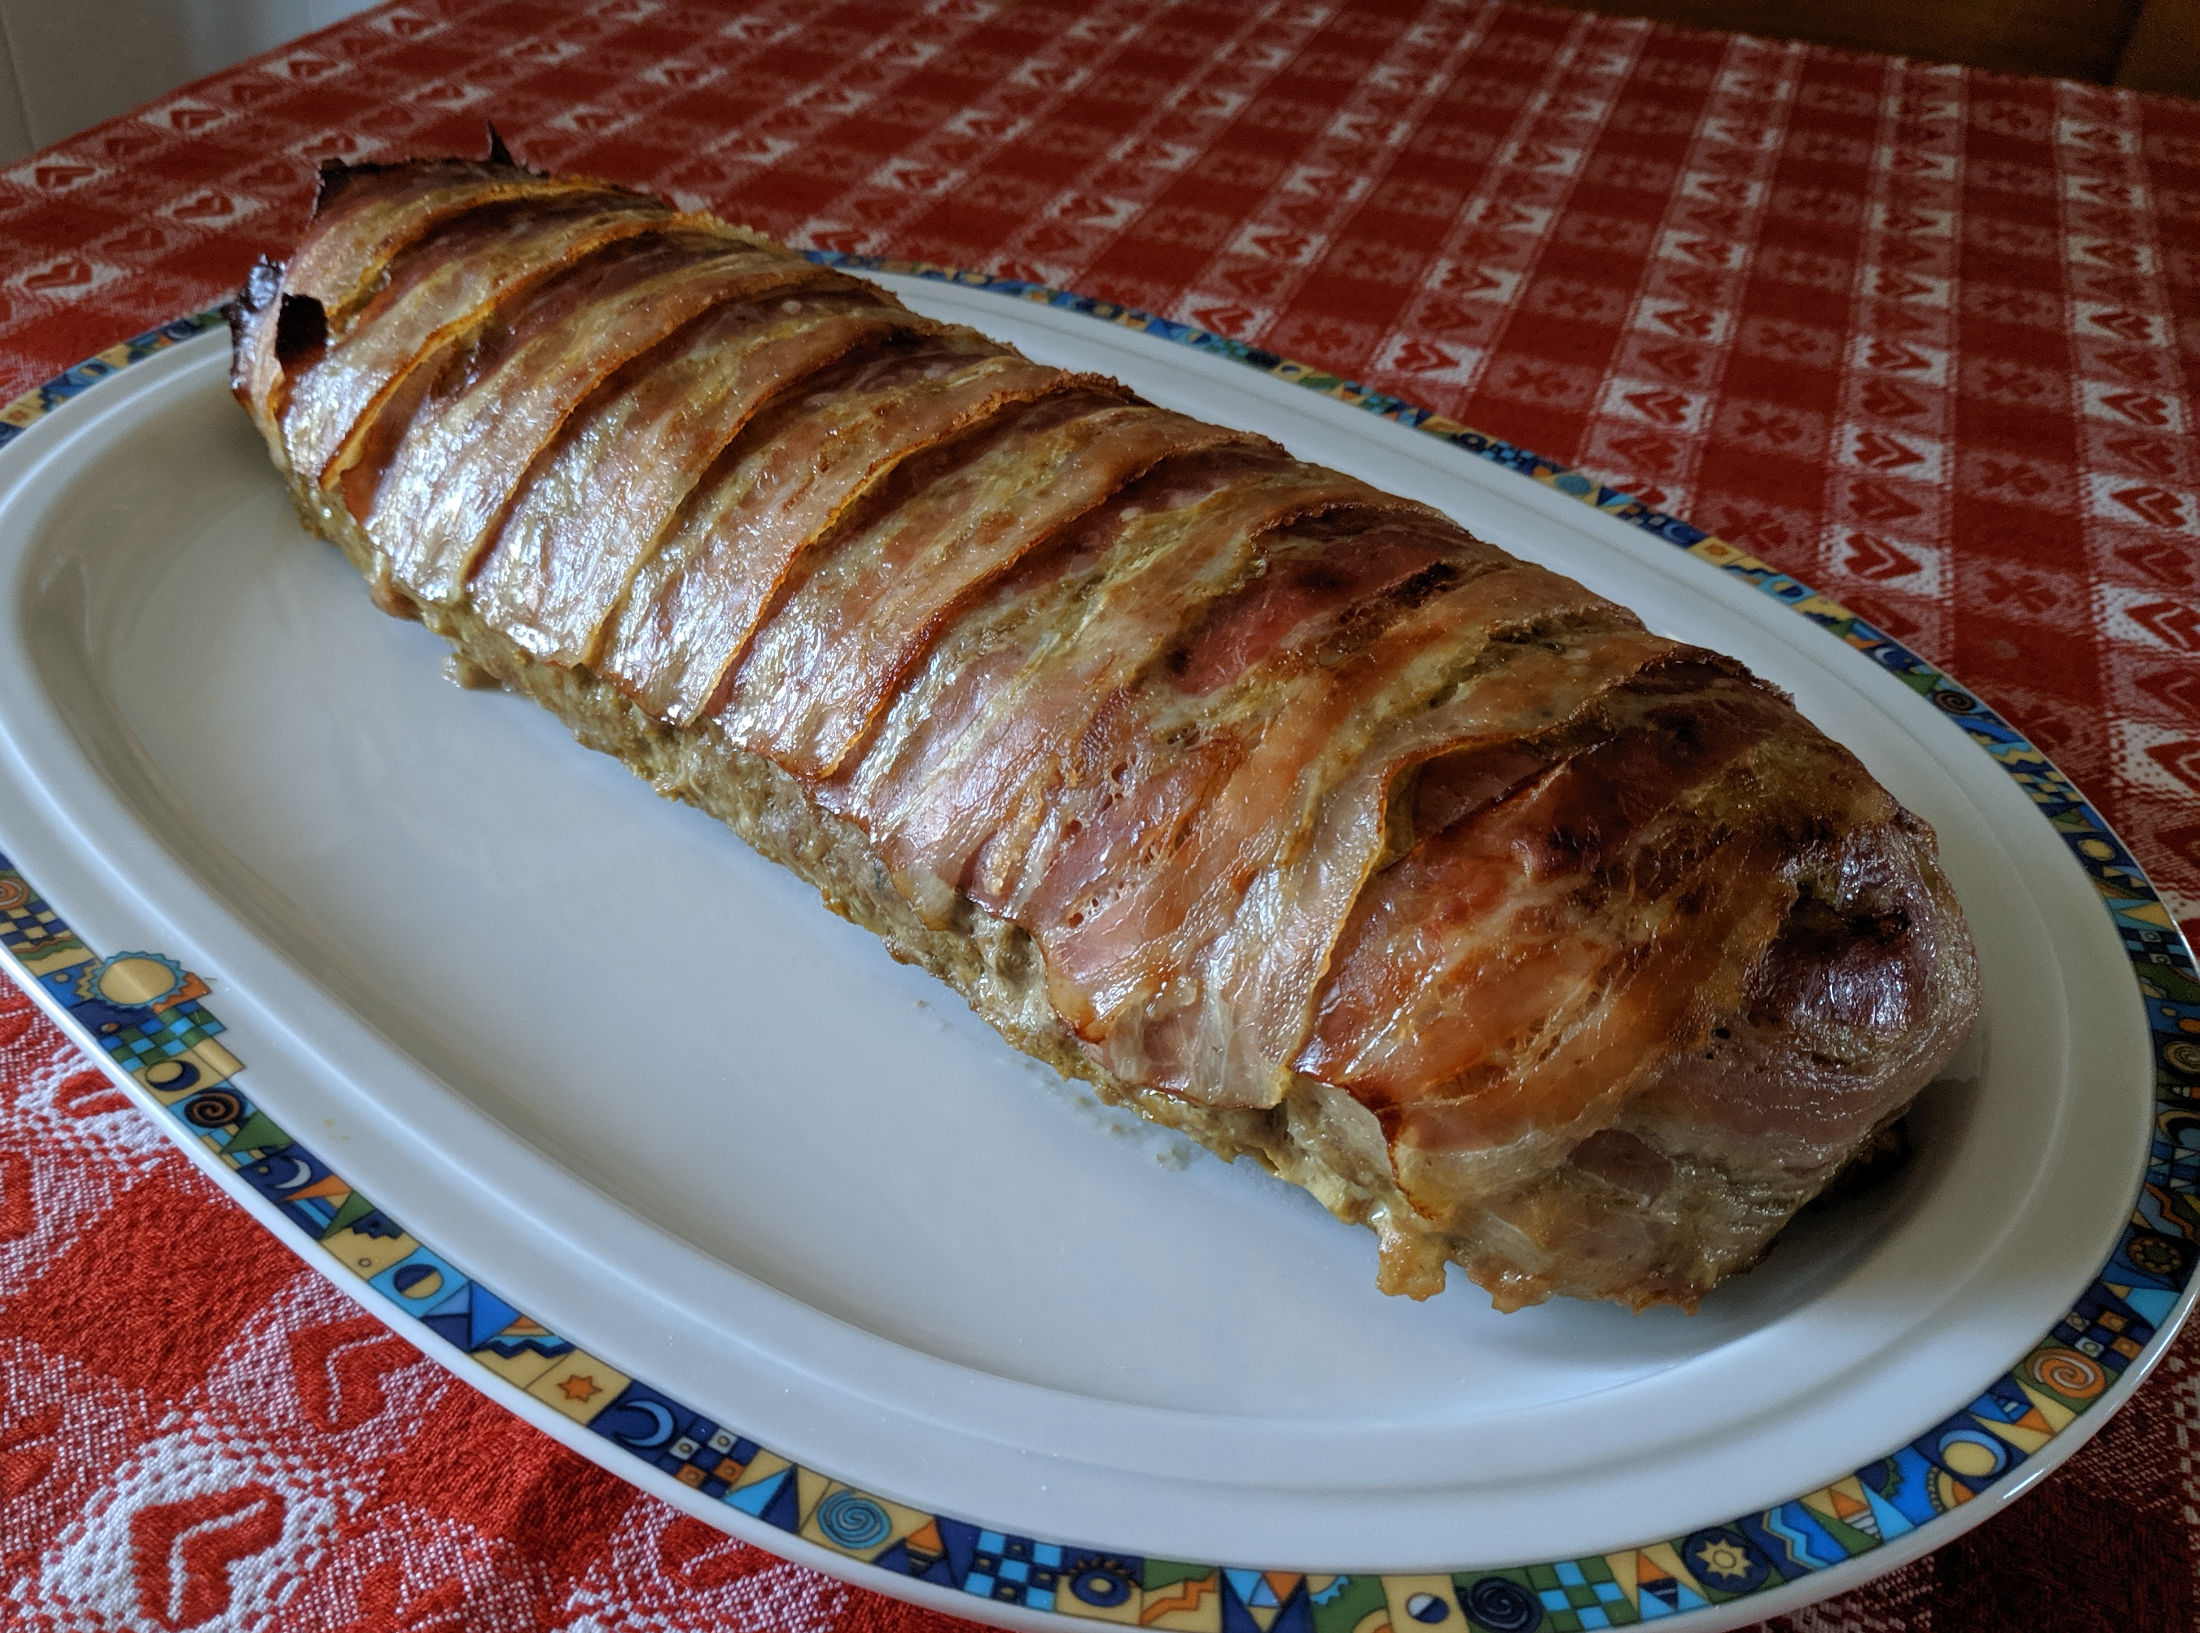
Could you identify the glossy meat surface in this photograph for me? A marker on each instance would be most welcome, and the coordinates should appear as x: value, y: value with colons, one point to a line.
x: 1550, y: 946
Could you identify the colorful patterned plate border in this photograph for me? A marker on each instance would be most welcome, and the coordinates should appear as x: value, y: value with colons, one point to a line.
x: 145, y: 1010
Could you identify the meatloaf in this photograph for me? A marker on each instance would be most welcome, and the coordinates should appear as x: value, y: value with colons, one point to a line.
x: 1281, y: 809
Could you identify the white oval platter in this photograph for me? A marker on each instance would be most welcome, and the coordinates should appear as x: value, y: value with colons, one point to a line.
x: 804, y: 1248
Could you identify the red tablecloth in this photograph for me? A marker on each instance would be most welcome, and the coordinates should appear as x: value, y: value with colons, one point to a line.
x: 1921, y: 336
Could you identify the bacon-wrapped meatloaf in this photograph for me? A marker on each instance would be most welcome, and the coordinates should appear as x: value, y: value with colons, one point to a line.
x: 1280, y: 808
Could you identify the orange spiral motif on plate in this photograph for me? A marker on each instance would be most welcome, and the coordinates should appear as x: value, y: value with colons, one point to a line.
x: 2069, y: 1374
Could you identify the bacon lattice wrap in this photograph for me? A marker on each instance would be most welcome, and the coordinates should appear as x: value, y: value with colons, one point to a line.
x: 1280, y: 808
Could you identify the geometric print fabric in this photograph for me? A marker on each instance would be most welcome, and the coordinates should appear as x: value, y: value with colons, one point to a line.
x: 1923, y: 337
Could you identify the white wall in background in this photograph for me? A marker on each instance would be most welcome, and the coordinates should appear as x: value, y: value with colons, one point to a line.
x: 15, y: 131
x: 66, y: 64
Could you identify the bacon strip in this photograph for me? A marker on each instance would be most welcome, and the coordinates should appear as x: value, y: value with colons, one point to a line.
x: 366, y: 215
x: 983, y: 745
x: 820, y: 672
x: 693, y: 606
x: 363, y: 217
x: 1616, y: 855
x: 1140, y: 910
x: 466, y: 453
x: 439, y: 296
x: 600, y: 501
x: 1269, y: 971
